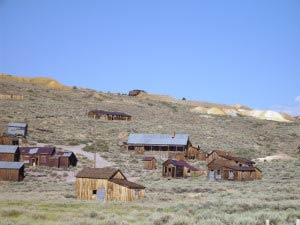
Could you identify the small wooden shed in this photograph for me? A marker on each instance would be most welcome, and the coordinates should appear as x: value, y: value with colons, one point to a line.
x: 36, y: 156
x: 98, y: 114
x: 65, y: 159
x: 9, y: 153
x: 11, y: 171
x: 106, y: 184
x: 222, y: 169
x: 18, y: 129
x: 150, y: 163
x: 179, y: 169
x: 6, y: 139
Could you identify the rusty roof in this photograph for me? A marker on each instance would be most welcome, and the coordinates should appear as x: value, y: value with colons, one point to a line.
x: 38, y: 150
x: 180, y: 163
x: 219, y: 163
x: 98, y: 173
x: 126, y: 183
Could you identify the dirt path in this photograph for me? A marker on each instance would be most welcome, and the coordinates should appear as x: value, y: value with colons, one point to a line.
x: 280, y: 156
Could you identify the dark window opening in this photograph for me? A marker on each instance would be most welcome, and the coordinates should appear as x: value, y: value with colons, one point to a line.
x: 94, y: 192
x: 180, y: 149
x: 164, y: 148
x: 147, y: 148
x: 155, y: 148
x: 131, y: 148
x: 172, y: 148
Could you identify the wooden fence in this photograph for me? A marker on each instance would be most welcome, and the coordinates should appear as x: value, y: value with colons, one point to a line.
x: 12, y: 97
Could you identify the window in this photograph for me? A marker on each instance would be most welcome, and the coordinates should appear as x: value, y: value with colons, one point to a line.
x: 94, y: 192
x: 219, y: 172
x: 180, y: 149
x: 155, y: 148
x: 172, y: 148
x: 131, y: 148
x: 170, y: 169
x: 188, y: 171
x: 147, y: 148
x: 164, y: 148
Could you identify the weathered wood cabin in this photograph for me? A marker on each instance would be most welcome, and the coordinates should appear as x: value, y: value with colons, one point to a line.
x: 106, y: 184
x: 150, y: 163
x: 6, y: 139
x: 11, y: 171
x: 36, y: 156
x: 101, y: 114
x: 63, y: 159
x: 163, y: 144
x: 17, y: 129
x: 9, y: 153
x: 222, y: 169
x: 179, y: 169
x: 217, y: 154
x: 196, y: 153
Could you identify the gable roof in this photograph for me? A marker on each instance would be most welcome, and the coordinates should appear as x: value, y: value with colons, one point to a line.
x: 11, y: 165
x: 238, y: 159
x: 219, y: 163
x: 38, y: 150
x: 222, y: 153
x: 98, y: 173
x: 10, y: 149
x: 126, y: 183
x: 13, y: 124
x: 180, y: 163
x: 158, y: 139
x: 148, y: 158
x: 64, y: 154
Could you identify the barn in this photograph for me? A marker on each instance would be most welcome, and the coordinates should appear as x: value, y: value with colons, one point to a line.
x: 36, y: 156
x: 11, y: 171
x: 10, y: 153
x: 179, y: 169
x: 163, y: 144
x: 98, y: 114
x: 222, y: 169
x: 17, y: 129
x: 106, y: 184
x: 150, y: 163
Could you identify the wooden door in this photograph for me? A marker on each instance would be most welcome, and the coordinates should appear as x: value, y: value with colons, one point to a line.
x: 101, y: 194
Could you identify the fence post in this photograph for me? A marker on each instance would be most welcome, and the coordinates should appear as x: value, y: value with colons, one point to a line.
x: 267, y: 222
x: 298, y: 222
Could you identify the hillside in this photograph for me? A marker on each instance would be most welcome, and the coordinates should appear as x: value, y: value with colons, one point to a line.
x: 57, y: 116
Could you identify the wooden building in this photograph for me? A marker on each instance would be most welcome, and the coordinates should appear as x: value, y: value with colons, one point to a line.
x: 36, y: 156
x: 163, y: 144
x: 17, y: 129
x: 150, y: 163
x: 9, y: 153
x: 106, y: 184
x: 98, y: 114
x: 196, y: 153
x: 11, y: 171
x: 217, y: 154
x: 6, y: 139
x: 222, y: 169
x: 179, y: 169
x: 63, y: 159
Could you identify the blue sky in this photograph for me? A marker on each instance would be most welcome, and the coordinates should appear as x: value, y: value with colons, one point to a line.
x: 231, y: 51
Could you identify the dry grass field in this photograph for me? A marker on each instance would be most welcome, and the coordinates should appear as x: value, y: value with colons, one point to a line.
x: 58, y: 117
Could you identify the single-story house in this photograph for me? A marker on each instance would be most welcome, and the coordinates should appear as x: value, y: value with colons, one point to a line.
x: 8, y: 139
x: 11, y: 171
x: 158, y: 143
x: 223, y: 169
x: 36, y: 156
x: 63, y: 159
x: 18, y: 129
x: 9, y: 153
x: 150, y: 163
x: 179, y: 169
x: 106, y: 184
x: 98, y: 114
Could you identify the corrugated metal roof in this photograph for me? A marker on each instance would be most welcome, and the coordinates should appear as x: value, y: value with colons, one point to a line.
x: 38, y: 150
x: 11, y: 149
x: 158, y: 139
x: 11, y: 165
x: 13, y: 124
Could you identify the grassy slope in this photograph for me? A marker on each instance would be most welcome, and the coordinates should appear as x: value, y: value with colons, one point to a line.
x: 47, y: 198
